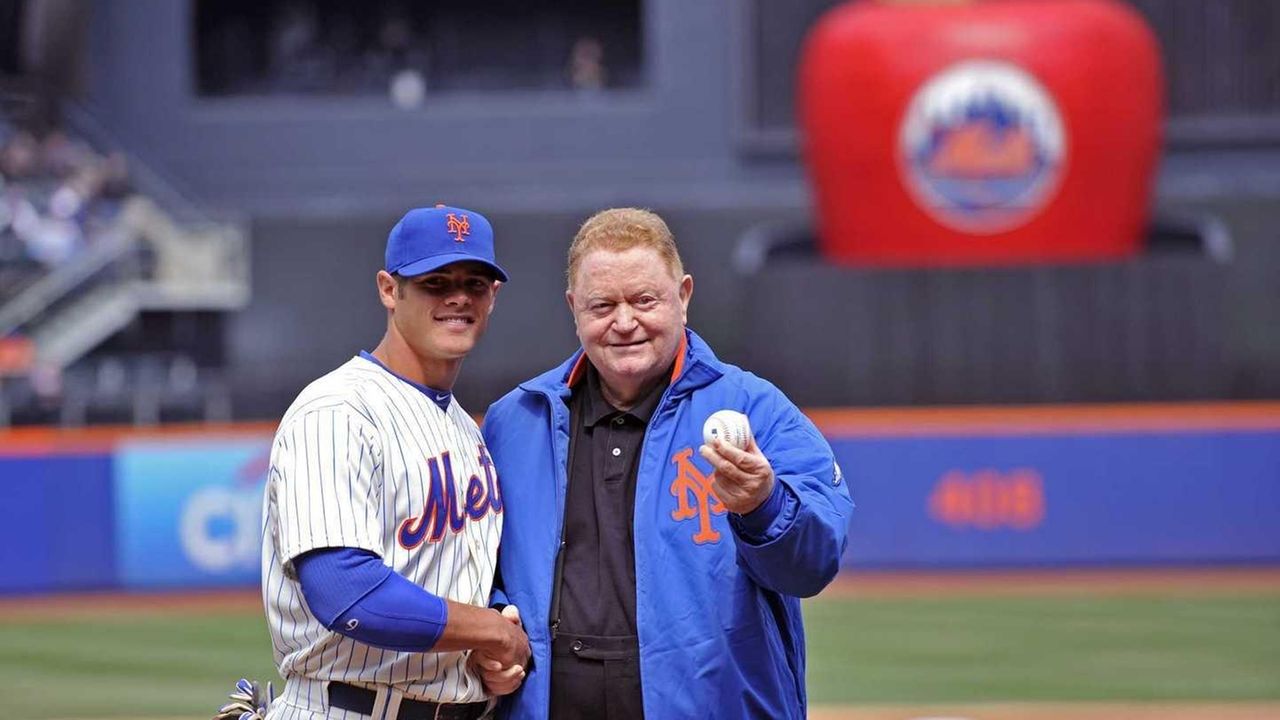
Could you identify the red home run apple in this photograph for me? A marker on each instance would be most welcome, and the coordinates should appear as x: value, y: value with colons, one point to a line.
x: 980, y: 132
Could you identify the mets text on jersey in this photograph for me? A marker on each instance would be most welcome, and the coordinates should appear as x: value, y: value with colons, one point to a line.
x: 441, y: 509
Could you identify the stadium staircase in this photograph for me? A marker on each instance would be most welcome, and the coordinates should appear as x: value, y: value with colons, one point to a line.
x: 161, y: 254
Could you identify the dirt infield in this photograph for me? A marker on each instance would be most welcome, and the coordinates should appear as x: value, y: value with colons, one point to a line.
x: 1056, y: 711
x: 1031, y: 711
x: 1111, y: 582
x: 858, y: 584
x: 29, y: 607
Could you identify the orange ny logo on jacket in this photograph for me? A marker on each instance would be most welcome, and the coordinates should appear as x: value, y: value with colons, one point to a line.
x: 690, y: 482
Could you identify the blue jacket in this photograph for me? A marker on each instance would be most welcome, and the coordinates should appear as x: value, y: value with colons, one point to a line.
x: 718, y: 616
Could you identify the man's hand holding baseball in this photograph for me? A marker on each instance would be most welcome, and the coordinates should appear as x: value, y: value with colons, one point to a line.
x: 742, y: 479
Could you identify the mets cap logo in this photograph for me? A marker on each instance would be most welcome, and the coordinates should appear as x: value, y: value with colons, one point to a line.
x: 981, y: 147
x: 458, y: 226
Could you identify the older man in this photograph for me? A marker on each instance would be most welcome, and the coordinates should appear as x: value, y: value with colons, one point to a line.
x: 657, y: 576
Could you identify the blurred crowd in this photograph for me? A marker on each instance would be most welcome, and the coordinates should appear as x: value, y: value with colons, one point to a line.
x: 297, y: 47
x: 59, y: 199
x: 56, y: 195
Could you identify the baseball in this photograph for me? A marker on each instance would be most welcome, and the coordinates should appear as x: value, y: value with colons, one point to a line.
x: 731, y: 426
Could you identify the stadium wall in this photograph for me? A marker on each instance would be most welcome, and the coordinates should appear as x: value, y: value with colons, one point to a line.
x: 709, y: 127
x: 325, y: 178
x: 1044, y: 486
x: 1163, y: 327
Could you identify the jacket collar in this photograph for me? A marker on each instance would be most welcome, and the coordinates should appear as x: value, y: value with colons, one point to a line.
x: 696, y: 366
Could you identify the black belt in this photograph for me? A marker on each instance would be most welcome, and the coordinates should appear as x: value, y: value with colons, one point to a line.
x: 362, y: 700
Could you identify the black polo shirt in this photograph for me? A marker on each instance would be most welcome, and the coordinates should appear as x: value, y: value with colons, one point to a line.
x: 598, y: 589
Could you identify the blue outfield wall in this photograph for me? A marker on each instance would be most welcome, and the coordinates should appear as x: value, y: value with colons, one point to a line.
x: 183, y: 510
x: 1189, y: 497
x: 180, y: 511
x: 56, y: 527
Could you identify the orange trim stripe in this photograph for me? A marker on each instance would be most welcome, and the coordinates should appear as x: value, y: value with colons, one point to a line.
x: 580, y: 367
x: 1048, y: 419
x: 679, y: 366
x: 863, y: 422
x: 579, y: 370
x: 43, y: 440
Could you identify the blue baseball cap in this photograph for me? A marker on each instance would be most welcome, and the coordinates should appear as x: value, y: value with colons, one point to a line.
x: 427, y: 239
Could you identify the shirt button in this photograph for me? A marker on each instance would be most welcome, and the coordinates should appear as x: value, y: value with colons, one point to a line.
x: 617, y: 452
x: 617, y: 420
x: 577, y: 645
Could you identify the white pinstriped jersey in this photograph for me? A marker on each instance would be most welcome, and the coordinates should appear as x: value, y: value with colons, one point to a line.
x: 364, y: 459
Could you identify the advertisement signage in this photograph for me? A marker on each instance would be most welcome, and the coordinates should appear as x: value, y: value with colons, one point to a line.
x: 189, y: 514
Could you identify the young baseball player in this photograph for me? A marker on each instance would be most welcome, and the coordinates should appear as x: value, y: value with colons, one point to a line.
x: 382, y: 511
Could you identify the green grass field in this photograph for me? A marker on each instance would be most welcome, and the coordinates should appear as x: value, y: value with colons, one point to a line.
x: 905, y: 650
x: 128, y: 665
x: 1038, y: 648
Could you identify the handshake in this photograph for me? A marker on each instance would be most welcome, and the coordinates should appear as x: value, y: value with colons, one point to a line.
x: 501, y: 662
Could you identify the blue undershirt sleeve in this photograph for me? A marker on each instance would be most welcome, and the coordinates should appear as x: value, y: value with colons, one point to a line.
x: 353, y: 594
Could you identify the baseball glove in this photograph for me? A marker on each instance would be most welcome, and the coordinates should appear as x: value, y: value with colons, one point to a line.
x: 247, y: 702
